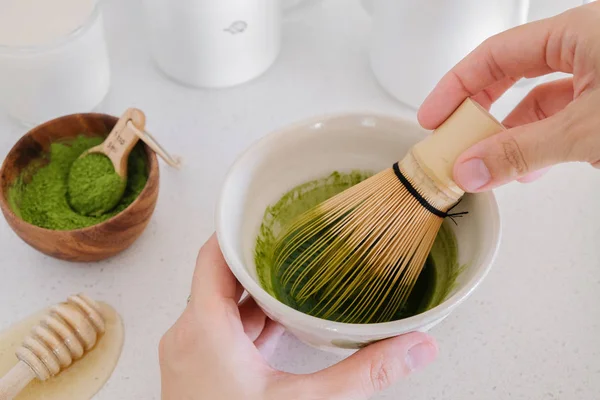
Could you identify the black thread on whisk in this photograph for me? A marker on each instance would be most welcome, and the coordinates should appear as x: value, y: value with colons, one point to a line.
x: 411, y: 189
x: 456, y: 215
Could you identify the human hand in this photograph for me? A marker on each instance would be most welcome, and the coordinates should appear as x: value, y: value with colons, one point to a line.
x: 217, y: 348
x: 556, y: 122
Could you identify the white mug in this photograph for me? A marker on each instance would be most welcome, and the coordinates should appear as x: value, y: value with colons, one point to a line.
x: 214, y: 43
x: 414, y: 43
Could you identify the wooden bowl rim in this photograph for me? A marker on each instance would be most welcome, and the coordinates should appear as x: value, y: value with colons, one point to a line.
x: 153, y: 173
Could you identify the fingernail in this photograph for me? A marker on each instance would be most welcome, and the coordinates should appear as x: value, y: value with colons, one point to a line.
x: 472, y: 174
x: 420, y: 355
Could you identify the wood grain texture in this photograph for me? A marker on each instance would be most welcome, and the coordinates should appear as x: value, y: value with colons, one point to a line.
x: 121, y: 140
x: 93, y: 243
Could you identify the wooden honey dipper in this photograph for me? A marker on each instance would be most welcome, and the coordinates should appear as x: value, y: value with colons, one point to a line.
x: 69, y: 331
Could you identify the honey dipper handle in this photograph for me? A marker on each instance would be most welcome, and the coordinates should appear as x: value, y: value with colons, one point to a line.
x: 469, y: 124
x: 15, y: 381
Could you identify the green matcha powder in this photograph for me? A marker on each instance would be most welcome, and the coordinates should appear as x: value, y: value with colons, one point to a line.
x: 40, y: 195
x: 93, y: 185
x: 433, y: 285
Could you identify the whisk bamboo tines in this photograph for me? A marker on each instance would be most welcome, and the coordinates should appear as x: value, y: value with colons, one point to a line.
x: 70, y: 330
x: 355, y: 258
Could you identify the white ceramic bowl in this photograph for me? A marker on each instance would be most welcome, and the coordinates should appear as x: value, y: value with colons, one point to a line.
x: 313, y: 149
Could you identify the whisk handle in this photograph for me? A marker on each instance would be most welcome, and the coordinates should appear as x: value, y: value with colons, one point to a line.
x: 469, y: 124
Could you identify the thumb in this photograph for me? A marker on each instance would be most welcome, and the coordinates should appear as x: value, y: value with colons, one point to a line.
x: 374, y: 368
x: 520, y: 151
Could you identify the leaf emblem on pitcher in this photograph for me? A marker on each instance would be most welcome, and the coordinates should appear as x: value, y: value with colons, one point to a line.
x: 237, y: 27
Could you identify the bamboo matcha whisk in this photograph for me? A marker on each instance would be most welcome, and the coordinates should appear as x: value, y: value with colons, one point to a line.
x: 69, y: 331
x: 355, y: 258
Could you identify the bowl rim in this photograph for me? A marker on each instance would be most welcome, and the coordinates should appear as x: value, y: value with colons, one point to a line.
x: 153, y: 171
x: 308, y: 322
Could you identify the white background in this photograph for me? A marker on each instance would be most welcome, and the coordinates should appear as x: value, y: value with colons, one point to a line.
x: 529, y: 332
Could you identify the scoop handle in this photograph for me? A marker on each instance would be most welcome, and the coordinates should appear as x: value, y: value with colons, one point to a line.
x: 121, y: 140
x: 469, y: 124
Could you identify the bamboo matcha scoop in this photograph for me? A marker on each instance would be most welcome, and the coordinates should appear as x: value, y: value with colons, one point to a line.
x: 98, y: 178
x: 69, y: 331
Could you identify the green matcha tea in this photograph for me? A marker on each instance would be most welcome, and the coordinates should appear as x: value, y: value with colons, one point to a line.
x: 40, y: 195
x: 433, y: 285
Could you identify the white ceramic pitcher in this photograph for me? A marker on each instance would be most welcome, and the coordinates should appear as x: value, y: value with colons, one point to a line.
x: 213, y: 43
x: 414, y: 43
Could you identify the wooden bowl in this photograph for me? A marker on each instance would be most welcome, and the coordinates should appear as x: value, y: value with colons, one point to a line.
x: 92, y: 243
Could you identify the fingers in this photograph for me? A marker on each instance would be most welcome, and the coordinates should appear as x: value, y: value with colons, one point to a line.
x: 569, y: 135
x: 528, y: 50
x: 542, y: 102
x: 508, y: 156
x: 374, y: 368
x: 269, y: 338
x: 253, y: 318
x: 489, y: 95
x: 214, y: 285
x: 533, y: 176
x: 264, y: 332
x: 213, y: 281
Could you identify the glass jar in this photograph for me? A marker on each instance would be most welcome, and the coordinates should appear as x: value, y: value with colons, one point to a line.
x: 67, y: 72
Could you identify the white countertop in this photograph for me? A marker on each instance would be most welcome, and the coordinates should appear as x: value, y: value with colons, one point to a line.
x: 529, y: 332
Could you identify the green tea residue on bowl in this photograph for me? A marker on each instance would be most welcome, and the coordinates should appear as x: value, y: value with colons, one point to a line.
x: 433, y: 285
x: 39, y: 196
